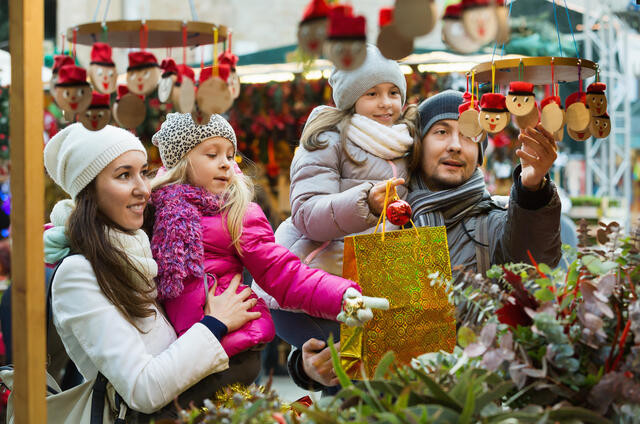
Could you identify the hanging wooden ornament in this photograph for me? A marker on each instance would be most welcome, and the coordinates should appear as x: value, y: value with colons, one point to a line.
x: 494, y: 116
x: 600, y: 126
x: 579, y: 135
x: 577, y: 114
x: 98, y: 114
x: 143, y: 73
x: 468, y: 122
x: 228, y: 58
x: 183, y: 94
x: 417, y: 17
x: 480, y: 20
x: 520, y: 99
x: 129, y: 110
x: 454, y: 34
x: 199, y: 117
x: 102, y: 70
x: 502, y: 15
x: 596, y: 99
x: 390, y: 42
x: 529, y: 120
x: 59, y: 61
x: 552, y: 115
x: 346, y: 40
x: 213, y: 94
x: 168, y: 78
x: 72, y: 92
x: 312, y: 30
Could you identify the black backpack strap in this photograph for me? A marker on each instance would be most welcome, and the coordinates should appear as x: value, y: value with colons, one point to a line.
x: 98, y: 398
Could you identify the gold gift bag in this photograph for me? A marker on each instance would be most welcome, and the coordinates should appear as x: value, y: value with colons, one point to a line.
x: 396, y: 265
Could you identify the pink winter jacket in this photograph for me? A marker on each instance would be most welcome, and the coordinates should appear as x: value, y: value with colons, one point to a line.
x: 274, y: 268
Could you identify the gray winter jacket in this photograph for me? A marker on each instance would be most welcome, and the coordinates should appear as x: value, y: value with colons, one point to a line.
x: 328, y: 197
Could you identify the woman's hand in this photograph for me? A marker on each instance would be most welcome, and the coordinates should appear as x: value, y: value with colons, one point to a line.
x: 377, y: 194
x: 317, y: 363
x: 231, y: 308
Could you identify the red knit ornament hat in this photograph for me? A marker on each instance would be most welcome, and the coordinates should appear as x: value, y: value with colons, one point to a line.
x: 453, y: 11
x: 228, y: 58
x: 123, y: 89
x: 316, y: 9
x: 596, y: 88
x: 468, y: 4
x: 99, y: 101
x: 493, y: 102
x: 70, y: 75
x: 521, y: 88
x: 101, y: 54
x: 168, y: 67
x: 466, y: 96
x: 185, y: 71
x: 466, y: 105
x: 139, y: 60
x: 346, y: 27
x: 61, y: 60
x: 575, y: 97
x: 341, y: 9
x: 550, y: 99
x: 223, y: 73
x: 385, y: 17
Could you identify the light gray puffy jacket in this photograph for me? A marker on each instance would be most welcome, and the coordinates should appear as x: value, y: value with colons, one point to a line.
x: 328, y: 198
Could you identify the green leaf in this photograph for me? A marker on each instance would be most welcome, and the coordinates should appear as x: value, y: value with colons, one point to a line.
x: 469, y: 404
x: 493, y: 395
x: 384, y: 365
x: 544, y: 295
x: 573, y: 274
x: 344, y: 379
x: 574, y: 412
x: 466, y: 336
x: 438, y: 392
x: 596, y: 266
x: 543, y: 282
x: 545, y: 269
x: 403, y: 400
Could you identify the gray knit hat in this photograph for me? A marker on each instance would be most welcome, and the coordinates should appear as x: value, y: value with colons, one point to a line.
x: 443, y: 106
x: 348, y: 86
x: 179, y: 134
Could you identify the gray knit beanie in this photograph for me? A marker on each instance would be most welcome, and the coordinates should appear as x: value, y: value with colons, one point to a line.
x: 348, y: 86
x: 443, y: 106
x: 179, y: 134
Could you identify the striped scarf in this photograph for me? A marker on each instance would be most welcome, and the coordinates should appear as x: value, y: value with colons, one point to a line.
x: 448, y: 207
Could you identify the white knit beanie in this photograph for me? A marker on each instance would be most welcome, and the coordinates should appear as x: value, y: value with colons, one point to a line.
x: 76, y: 155
x: 348, y: 86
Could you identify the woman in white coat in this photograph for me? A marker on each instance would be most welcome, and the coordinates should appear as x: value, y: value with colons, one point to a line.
x: 103, y: 293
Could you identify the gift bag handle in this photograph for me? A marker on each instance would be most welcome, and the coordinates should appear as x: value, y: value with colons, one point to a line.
x: 389, y: 196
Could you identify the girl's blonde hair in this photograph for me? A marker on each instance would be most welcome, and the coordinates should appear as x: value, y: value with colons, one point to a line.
x: 330, y: 119
x: 237, y: 196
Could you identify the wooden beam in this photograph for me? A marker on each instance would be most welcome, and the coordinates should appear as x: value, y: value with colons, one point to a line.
x: 26, y: 32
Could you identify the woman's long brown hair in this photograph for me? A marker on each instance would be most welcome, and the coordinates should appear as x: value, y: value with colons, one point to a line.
x: 116, y: 274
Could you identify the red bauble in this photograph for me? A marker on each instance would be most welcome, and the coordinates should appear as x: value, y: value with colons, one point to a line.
x: 398, y: 212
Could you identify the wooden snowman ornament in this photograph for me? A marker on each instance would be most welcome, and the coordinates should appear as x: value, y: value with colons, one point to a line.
x: 417, y: 17
x: 600, y: 126
x: 346, y: 45
x: 230, y: 59
x: 143, y: 73
x: 502, y: 15
x: 577, y: 116
x: 596, y: 99
x: 579, y: 135
x: 98, y: 114
x: 102, y: 70
x: 520, y: 98
x: 72, y: 92
x: 454, y: 34
x: 129, y: 110
x: 390, y: 42
x: 552, y: 115
x: 167, y: 79
x: 469, y: 123
x: 59, y: 61
x: 480, y: 20
x: 312, y: 30
x: 494, y: 116
x: 529, y: 120
x: 183, y: 94
x: 213, y: 94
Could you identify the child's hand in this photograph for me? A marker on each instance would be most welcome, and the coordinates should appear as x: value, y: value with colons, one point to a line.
x: 377, y: 194
x: 231, y: 308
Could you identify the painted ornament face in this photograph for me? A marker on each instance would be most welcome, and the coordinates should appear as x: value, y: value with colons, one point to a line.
x: 469, y: 124
x: 346, y: 54
x: 597, y: 104
x: 481, y: 23
x: 600, y: 126
x: 579, y: 135
x: 493, y: 122
x: 165, y: 86
x: 95, y: 119
x: 143, y: 81
x: 74, y: 98
x: 103, y: 78
x: 520, y: 105
x: 552, y: 117
x: 234, y: 85
x: 311, y: 36
x: 455, y: 36
x: 529, y: 120
x: 183, y: 96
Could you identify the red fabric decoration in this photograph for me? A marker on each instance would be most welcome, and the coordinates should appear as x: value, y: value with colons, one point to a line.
x: 466, y: 105
x: 466, y: 97
x: 186, y: 71
x: 223, y: 73
x: 169, y: 67
x: 123, y: 89
x: 385, y: 17
x: 493, y: 101
x: 228, y: 58
x: 139, y: 60
x: 453, y: 11
x: 101, y: 54
x: 350, y: 27
x: 550, y: 99
x: 468, y: 4
x: 61, y: 60
x: 520, y: 88
x: 597, y: 88
x: 572, y: 98
x: 341, y: 9
x: 72, y: 75
x: 501, y: 140
x: 316, y: 9
x: 99, y: 100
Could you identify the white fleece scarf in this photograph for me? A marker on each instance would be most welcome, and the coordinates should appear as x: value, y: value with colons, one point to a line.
x: 380, y: 140
x: 137, y: 248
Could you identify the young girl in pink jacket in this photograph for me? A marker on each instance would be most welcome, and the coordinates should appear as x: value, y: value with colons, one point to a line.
x: 207, y: 229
